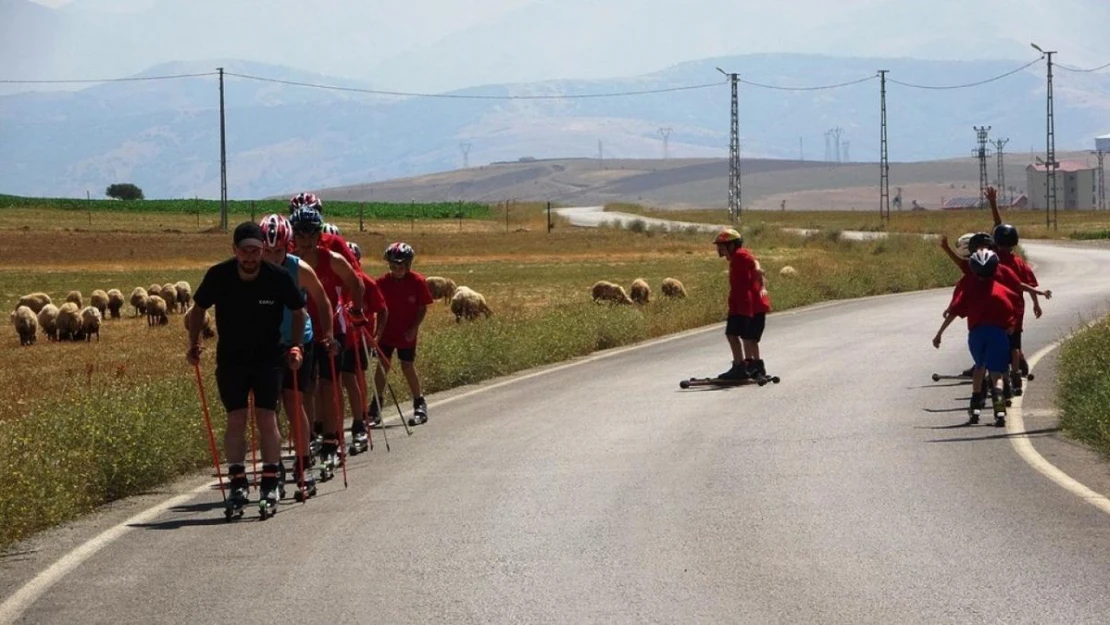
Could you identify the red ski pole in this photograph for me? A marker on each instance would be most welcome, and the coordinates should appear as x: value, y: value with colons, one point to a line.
x: 338, y: 421
x: 363, y: 355
x: 360, y: 383
x: 211, y: 435
x: 386, y: 368
x: 254, y: 447
x: 298, y: 448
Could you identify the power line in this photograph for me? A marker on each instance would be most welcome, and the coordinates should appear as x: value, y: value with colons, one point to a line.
x: 466, y: 96
x: 970, y: 84
x: 1078, y: 70
x: 95, y: 80
x: 818, y: 88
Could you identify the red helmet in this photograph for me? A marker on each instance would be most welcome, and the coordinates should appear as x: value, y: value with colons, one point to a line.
x: 305, y: 200
x: 276, y: 231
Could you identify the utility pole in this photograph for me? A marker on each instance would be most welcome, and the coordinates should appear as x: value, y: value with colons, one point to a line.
x: 1000, y: 180
x: 884, y: 164
x: 223, y: 157
x: 836, y: 141
x: 1050, y: 146
x: 1101, y: 181
x: 847, y: 159
x: 981, y: 153
x: 734, y: 204
x: 465, y: 148
x: 666, y: 133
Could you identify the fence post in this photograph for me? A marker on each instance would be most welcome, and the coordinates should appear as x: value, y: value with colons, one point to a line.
x: 88, y: 205
x: 252, y: 210
x: 549, y: 224
x: 361, y: 209
x: 196, y: 209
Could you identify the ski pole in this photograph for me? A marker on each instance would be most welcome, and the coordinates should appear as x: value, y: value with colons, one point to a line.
x: 254, y: 447
x: 386, y: 368
x: 360, y: 379
x: 363, y: 352
x: 338, y: 421
x: 298, y: 449
x: 211, y: 435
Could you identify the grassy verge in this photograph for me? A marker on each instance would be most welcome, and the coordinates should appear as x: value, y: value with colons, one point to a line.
x: 1030, y: 223
x: 109, y: 419
x: 1083, y: 386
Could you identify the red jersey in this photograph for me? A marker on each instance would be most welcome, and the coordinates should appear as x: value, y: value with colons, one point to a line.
x: 373, y: 302
x: 403, y: 297
x: 741, y: 277
x: 985, y: 303
x: 338, y: 244
x: 761, y: 301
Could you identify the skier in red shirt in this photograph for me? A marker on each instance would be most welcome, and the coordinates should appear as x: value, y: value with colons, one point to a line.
x: 376, y: 312
x: 407, y: 297
x: 989, y: 309
x: 747, y: 307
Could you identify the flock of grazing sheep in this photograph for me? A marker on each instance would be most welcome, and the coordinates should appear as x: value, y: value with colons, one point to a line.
x: 73, y: 321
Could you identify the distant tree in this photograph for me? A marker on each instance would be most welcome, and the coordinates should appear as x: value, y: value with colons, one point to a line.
x: 124, y: 191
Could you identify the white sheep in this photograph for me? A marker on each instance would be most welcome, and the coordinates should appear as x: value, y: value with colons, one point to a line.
x: 604, y: 291
x: 75, y: 297
x: 441, y: 288
x: 169, y: 293
x: 99, y: 301
x: 69, y: 322
x: 640, y: 292
x: 90, y: 322
x: 673, y: 288
x: 34, y: 301
x: 466, y: 302
x: 48, y: 321
x: 206, y: 328
x: 154, y: 289
x: 156, y: 311
x: 139, y: 300
x: 115, y: 302
x: 26, y: 325
x: 184, y: 295
x: 788, y: 271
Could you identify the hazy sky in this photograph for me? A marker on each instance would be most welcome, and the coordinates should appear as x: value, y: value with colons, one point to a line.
x: 437, y: 45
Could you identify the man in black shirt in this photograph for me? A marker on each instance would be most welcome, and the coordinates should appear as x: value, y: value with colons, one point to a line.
x: 250, y: 296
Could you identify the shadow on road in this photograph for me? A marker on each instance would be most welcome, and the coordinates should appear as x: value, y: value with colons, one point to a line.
x: 1003, y: 435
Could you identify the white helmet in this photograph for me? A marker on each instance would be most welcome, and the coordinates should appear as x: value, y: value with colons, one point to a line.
x: 331, y: 229
x: 963, y: 245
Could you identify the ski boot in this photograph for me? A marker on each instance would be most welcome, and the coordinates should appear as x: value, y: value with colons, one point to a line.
x: 739, y: 371
x: 360, y: 439
x: 1015, y: 383
x: 756, y: 370
x: 316, y: 441
x: 306, y: 484
x: 375, y: 420
x: 238, y: 493
x: 419, y: 412
x: 999, y: 412
x: 966, y: 373
x: 269, y: 491
x: 329, y: 457
x: 1007, y: 390
x: 975, y: 409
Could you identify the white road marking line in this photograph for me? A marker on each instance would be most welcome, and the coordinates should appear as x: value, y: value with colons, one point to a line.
x: 1015, y: 426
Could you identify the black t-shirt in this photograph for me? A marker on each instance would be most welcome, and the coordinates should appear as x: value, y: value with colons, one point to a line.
x: 248, y: 313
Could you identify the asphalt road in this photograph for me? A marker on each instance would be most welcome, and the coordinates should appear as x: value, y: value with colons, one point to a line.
x: 601, y: 493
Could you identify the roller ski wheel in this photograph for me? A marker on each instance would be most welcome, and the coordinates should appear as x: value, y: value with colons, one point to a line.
x: 305, y: 492
x: 235, y: 505
x: 936, y: 377
x: 267, y: 506
x: 328, y: 466
x: 360, y: 443
x: 419, y: 417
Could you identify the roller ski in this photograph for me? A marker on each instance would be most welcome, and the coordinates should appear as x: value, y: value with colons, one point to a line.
x: 419, y: 412
x: 270, y: 490
x: 329, y: 459
x: 999, y: 412
x: 739, y: 375
x: 237, y: 496
x: 1016, y: 383
x: 963, y: 375
x: 975, y: 409
x: 360, y: 438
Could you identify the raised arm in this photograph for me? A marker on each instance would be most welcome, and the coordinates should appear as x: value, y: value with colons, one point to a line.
x: 992, y: 197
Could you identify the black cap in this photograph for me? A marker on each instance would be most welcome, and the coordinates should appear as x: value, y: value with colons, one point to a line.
x: 248, y: 233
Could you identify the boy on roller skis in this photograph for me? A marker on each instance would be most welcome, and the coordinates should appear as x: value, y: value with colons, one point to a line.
x: 989, y: 309
x: 355, y: 361
x: 407, y: 297
x: 747, y: 307
x: 250, y: 296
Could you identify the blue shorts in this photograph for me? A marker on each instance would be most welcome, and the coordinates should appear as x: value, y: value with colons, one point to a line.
x: 990, y: 348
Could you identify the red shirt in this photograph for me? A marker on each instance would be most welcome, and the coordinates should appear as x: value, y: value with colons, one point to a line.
x: 373, y: 302
x: 338, y: 244
x: 741, y: 276
x: 761, y: 301
x: 403, y: 297
x: 984, y: 303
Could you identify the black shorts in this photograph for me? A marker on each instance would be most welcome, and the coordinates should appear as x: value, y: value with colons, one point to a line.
x: 404, y: 354
x: 1015, y: 340
x: 304, y: 374
x: 350, y: 358
x: 236, y: 382
x: 754, y: 330
x: 323, y: 360
x: 737, y: 325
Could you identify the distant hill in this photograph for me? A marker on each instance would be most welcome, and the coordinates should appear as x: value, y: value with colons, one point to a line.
x: 693, y: 183
x: 164, y: 135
